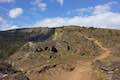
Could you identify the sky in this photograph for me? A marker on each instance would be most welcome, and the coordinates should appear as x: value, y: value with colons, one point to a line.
x: 54, y: 13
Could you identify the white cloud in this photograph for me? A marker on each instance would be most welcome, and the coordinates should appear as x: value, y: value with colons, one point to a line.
x: 12, y: 27
x: 101, y: 16
x: 15, y: 12
x: 4, y: 25
x: 106, y: 20
x: 2, y: 22
x: 6, y: 1
x: 103, y: 8
x: 54, y: 22
x: 98, y: 9
x: 40, y: 4
x: 61, y: 2
x: 80, y: 11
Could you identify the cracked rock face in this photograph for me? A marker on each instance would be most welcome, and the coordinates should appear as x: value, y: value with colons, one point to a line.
x: 112, y: 70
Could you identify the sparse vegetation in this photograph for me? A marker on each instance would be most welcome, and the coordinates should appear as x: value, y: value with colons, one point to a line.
x: 32, y: 48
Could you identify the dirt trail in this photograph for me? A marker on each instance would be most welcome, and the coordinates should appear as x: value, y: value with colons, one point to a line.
x: 106, y: 52
x: 84, y: 69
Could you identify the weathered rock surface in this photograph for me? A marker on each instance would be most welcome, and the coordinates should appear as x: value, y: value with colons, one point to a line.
x: 7, y: 72
x: 111, y: 69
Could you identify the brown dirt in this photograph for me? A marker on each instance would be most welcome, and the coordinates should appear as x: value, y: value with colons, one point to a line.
x: 83, y: 70
x: 106, y: 52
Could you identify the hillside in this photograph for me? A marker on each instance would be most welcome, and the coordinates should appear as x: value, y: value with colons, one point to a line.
x: 64, y: 53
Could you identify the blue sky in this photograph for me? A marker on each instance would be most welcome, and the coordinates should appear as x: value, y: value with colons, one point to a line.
x: 55, y: 13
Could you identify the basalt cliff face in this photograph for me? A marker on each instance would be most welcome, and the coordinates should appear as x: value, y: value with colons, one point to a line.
x: 64, y: 53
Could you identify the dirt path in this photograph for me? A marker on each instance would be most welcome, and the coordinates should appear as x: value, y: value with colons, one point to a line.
x: 84, y: 70
x: 106, y: 52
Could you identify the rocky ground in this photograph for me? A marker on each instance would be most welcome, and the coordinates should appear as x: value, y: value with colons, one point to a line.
x: 111, y: 69
x: 68, y: 53
x: 8, y: 72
